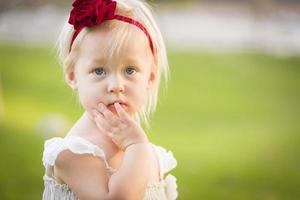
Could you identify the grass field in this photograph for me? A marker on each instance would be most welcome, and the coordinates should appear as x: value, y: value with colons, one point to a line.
x: 231, y: 120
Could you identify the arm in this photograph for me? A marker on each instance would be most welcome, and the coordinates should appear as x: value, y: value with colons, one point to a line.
x: 87, y: 176
x: 130, y: 181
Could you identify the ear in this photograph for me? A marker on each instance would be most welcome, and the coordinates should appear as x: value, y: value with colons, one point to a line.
x: 153, y: 74
x: 71, y: 78
x: 152, y: 79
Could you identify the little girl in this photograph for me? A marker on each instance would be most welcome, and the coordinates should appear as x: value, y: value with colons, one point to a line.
x: 113, y: 56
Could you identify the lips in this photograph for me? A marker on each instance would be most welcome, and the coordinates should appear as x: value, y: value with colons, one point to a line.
x: 122, y: 103
x: 112, y: 108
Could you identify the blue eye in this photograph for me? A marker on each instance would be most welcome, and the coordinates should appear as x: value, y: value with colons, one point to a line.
x: 130, y: 70
x: 99, y: 71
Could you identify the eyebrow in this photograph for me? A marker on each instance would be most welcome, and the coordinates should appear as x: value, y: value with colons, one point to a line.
x: 133, y: 60
x: 96, y: 61
x: 130, y: 61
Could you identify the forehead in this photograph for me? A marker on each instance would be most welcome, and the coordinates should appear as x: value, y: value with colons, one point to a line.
x: 121, y: 42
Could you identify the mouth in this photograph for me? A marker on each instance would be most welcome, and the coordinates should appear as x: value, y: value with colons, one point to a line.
x: 112, y: 108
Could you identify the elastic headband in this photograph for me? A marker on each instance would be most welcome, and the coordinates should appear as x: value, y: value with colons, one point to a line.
x: 88, y: 13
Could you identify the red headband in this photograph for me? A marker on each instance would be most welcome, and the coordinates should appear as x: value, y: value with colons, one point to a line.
x: 88, y: 13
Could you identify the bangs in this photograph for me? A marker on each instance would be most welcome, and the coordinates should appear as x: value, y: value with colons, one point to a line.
x: 120, y: 35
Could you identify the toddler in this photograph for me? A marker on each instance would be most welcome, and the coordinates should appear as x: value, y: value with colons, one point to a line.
x: 113, y: 56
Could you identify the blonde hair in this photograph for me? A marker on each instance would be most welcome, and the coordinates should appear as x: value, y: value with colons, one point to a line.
x: 138, y: 10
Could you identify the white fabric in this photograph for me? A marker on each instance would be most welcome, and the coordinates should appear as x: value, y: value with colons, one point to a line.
x: 166, y: 189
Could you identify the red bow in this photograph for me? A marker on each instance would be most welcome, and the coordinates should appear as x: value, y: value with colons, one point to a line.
x: 87, y: 13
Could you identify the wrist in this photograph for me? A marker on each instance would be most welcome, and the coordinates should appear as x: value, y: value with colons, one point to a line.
x: 135, y: 143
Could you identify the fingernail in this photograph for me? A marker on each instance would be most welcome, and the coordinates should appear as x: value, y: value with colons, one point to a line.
x: 101, y: 106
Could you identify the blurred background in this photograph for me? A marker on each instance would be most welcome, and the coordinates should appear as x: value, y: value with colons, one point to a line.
x: 230, y: 114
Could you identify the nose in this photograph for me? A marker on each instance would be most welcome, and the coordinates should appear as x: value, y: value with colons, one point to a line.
x: 115, y: 85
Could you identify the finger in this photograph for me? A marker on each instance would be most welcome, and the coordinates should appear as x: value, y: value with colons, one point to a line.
x: 121, y: 112
x: 111, y: 118
x: 95, y: 113
x: 101, y: 121
x: 102, y: 130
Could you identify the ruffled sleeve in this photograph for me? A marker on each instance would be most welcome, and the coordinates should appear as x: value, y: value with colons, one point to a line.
x: 167, y: 162
x: 77, y: 145
x: 51, y: 148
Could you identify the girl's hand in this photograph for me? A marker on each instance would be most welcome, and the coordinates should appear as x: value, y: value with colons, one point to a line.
x: 123, y: 130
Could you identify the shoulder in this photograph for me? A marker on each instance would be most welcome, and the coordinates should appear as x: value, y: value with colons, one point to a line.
x: 86, y: 175
x: 79, y: 164
x: 68, y: 163
x: 54, y: 146
x: 68, y: 160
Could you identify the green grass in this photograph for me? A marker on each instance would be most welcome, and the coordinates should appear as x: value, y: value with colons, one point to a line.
x: 231, y: 120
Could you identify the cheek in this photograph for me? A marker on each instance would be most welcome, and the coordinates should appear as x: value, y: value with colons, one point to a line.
x: 89, y: 95
x: 140, y: 95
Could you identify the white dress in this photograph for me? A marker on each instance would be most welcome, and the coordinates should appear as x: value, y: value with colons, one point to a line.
x: 165, y: 189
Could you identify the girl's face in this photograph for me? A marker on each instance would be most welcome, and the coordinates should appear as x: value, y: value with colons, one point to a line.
x: 124, y: 77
